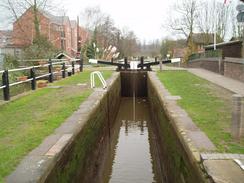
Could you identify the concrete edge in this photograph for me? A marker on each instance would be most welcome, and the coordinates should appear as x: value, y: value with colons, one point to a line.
x: 36, y: 166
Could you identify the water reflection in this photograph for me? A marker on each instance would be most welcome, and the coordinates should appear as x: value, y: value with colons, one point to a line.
x: 132, y: 161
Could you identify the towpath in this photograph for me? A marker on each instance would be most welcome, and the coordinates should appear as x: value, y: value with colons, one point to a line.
x: 220, y: 80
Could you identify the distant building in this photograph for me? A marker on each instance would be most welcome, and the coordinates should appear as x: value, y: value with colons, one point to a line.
x: 179, y: 52
x: 202, y: 39
x: 7, y: 46
x: 63, y: 33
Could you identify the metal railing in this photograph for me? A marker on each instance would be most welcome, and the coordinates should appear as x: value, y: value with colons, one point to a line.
x: 69, y: 68
x: 101, y: 78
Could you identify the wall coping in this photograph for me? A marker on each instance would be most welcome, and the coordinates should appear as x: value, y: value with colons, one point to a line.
x: 216, y: 59
x: 234, y: 60
x: 212, y: 59
x: 37, y: 165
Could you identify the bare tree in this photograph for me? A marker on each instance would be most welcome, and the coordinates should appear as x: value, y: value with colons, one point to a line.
x: 184, y: 21
x: 128, y: 43
x: 223, y: 19
x: 214, y: 17
x: 15, y: 8
x: 92, y: 17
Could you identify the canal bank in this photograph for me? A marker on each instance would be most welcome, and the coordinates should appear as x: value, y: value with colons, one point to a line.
x: 89, y: 145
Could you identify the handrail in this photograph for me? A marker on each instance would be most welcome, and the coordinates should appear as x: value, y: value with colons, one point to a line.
x: 42, y: 76
x: 4, y: 86
x: 92, y: 79
x: 20, y: 82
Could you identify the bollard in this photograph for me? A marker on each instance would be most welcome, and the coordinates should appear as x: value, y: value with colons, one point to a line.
x: 142, y: 62
x: 5, y: 80
x: 50, y: 66
x: 33, y: 76
x: 126, y: 62
x: 237, y: 126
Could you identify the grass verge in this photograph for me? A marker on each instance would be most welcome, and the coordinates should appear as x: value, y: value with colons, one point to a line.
x: 26, y: 121
x: 205, y: 105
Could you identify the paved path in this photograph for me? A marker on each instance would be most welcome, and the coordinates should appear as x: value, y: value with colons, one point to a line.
x: 225, y: 82
x: 232, y: 85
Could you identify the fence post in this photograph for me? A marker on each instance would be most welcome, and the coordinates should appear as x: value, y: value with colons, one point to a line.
x: 63, y: 70
x: 5, y: 80
x: 81, y: 64
x: 126, y: 62
x: 237, y: 126
x: 50, y: 66
x: 142, y: 62
x: 73, y: 67
x: 33, y: 76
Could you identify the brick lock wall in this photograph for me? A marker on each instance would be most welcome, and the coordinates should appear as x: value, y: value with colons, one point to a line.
x: 229, y: 67
x: 211, y: 64
x: 195, y: 64
x: 234, y: 70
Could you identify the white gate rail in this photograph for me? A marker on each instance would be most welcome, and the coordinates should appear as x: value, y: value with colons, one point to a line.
x: 92, y: 78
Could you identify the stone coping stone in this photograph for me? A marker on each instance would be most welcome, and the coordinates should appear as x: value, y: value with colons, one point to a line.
x: 221, y: 156
x: 36, y: 166
x: 234, y: 60
x: 211, y: 59
x: 224, y: 171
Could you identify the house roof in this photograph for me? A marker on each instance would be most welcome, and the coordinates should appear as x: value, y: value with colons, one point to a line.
x: 6, y: 33
x: 5, y: 37
x: 55, y: 19
x: 179, y: 52
x: 223, y: 44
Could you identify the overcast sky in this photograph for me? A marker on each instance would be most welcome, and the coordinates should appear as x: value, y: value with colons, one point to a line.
x: 144, y: 17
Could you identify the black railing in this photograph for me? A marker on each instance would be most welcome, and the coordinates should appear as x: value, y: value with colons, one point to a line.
x: 65, y: 68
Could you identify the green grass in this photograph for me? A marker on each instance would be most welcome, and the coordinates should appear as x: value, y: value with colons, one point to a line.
x: 208, y: 109
x: 25, y: 122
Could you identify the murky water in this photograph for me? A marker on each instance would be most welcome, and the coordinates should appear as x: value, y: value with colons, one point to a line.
x: 131, y: 157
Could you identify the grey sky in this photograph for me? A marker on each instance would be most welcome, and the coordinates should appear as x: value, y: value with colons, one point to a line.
x: 144, y: 17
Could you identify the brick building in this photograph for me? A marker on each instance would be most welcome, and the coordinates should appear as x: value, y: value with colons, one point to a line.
x: 63, y: 33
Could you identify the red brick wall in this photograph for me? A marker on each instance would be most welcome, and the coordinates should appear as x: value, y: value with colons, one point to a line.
x: 234, y: 69
x: 211, y: 64
x: 24, y: 32
x: 229, y: 67
x: 23, y: 29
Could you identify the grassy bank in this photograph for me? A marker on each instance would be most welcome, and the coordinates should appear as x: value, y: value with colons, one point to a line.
x: 26, y: 121
x: 208, y: 106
